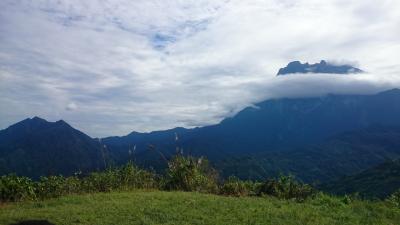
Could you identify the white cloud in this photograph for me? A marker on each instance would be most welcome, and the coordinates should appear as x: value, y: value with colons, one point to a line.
x: 146, y: 65
x: 71, y: 106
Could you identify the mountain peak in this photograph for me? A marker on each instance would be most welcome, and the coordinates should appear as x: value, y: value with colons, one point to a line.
x: 61, y: 122
x: 34, y: 121
x: 321, y: 67
x: 37, y: 119
x: 294, y: 63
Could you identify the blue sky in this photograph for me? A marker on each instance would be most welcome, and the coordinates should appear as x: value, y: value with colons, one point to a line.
x: 111, y: 67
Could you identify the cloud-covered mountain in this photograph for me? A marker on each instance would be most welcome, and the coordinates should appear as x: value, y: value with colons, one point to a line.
x: 321, y: 67
x: 274, y: 124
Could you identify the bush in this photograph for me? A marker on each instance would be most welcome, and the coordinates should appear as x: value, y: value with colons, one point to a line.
x: 14, y: 188
x: 395, y: 198
x: 73, y: 185
x: 347, y: 199
x: 286, y: 187
x: 101, y: 181
x: 184, y: 173
x: 322, y: 199
x: 190, y: 174
x: 56, y: 186
x: 50, y: 187
x: 235, y: 187
x: 131, y: 177
x: 121, y: 178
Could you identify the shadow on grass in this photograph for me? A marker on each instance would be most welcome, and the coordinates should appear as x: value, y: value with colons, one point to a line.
x: 33, y: 222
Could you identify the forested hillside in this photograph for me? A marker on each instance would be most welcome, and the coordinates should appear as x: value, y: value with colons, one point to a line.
x: 379, y: 182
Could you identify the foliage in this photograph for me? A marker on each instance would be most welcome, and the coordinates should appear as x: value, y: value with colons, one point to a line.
x: 101, y: 181
x: 184, y: 173
x: 235, y: 187
x: 56, y: 186
x: 376, y: 182
x: 323, y: 199
x: 395, y: 198
x: 50, y: 187
x: 286, y: 187
x: 343, y: 154
x: 126, y: 177
x: 73, y: 185
x: 190, y: 174
x: 131, y: 176
x: 14, y: 188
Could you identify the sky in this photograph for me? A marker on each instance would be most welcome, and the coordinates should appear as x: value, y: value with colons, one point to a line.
x: 112, y: 67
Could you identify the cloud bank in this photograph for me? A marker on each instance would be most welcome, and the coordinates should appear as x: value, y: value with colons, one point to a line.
x: 111, y: 67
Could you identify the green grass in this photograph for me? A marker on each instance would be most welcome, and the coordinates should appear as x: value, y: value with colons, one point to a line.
x: 156, y: 207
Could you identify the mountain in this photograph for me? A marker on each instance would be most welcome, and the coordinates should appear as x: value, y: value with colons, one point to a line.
x: 343, y: 154
x: 379, y: 181
x: 35, y: 147
x: 303, y: 136
x: 322, y: 67
x: 269, y: 126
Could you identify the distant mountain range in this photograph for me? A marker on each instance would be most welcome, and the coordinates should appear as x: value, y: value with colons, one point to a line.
x: 322, y: 67
x: 271, y: 125
x: 308, y: 137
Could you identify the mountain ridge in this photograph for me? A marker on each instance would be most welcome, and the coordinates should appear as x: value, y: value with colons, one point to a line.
x: 379, y: 181
x: 275, y: 126
x: 321, y: 67
x: 283, y: 122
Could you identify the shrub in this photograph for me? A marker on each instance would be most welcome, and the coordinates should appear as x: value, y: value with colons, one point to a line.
x: 121, y: 178
x: 235, y: 187
x: 131, y: 177
x: 100, y: 181
x: 286, y: 187
x: 347, y: 199
x: 190, y: 174
x: 51, y: 187
x: 73, y: 185
x: 322, y: 199
x: 184, y: 173
x: 14, y: 188
x: 395, y: 198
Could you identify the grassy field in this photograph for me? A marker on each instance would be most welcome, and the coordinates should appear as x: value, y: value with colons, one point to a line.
x: 156, y: 207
